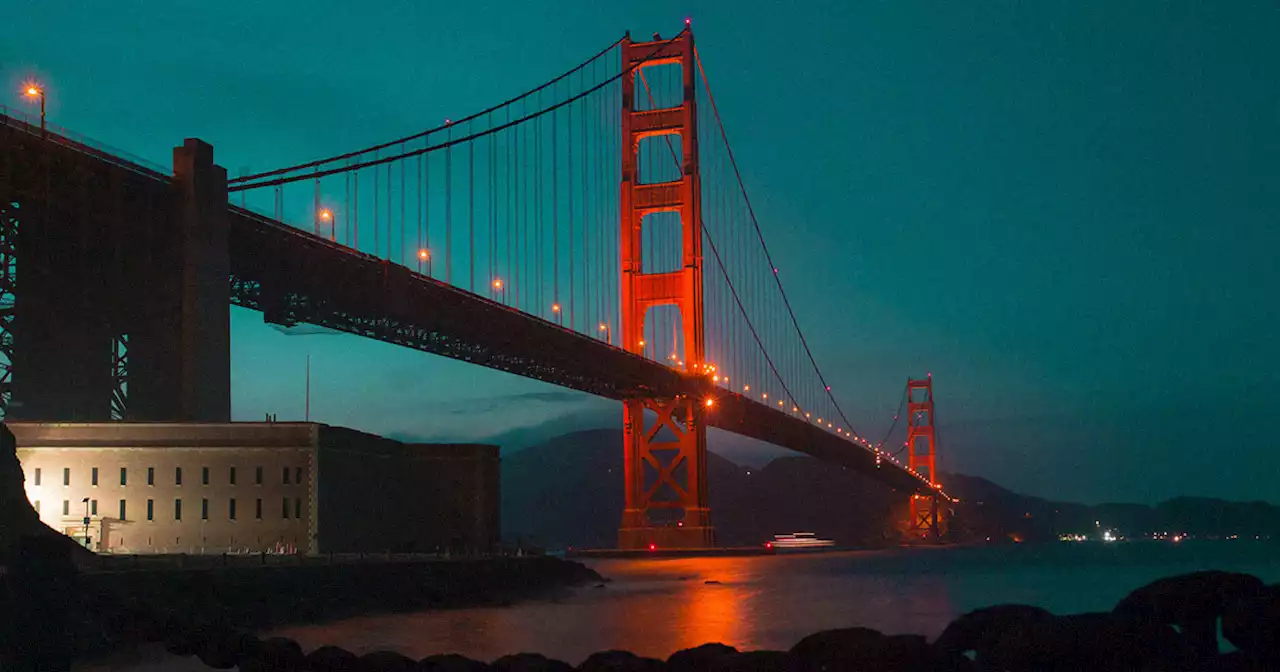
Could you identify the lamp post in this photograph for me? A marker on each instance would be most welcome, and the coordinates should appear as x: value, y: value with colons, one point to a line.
x: 555, y: 309
x: 86, y: 522
x: 326, y: 215
x: 424, y: 255
x: 500, y: 289
x: 608, y: 333
x: 36, y: 91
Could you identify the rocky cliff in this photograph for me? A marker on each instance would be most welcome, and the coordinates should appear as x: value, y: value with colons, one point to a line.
x: 17, y: 518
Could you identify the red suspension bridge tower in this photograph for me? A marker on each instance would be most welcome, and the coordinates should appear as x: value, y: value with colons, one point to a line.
x: 674, y: 443
x: 922, y: 456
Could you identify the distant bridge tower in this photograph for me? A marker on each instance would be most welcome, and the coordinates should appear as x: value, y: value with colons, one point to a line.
x: 657, y: 454
x: 922, y: 456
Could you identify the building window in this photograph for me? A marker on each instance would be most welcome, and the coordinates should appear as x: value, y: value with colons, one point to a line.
x: 257, y: 476
x: 177, y: 475
x: 37, y: 475
x: 297, y: 475
x: 231, y: 476
x: 66, y: 507
x: 122, y: 511
x: 231, y: 508
x: 204, y: 509
x: 286, y: 475
x: 93, y: 507
x: 204, y: 475
x: 124, y: 476
x: 93, y: 477
x: 151, y: 475
x: 66, y: 476
x: 285, y: 510
x: 297, y: 508
x: 151, y: 509
x: 177, y: 509
x: 258, y: 510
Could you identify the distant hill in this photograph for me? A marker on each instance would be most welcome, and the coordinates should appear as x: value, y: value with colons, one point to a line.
x: 567, y: 491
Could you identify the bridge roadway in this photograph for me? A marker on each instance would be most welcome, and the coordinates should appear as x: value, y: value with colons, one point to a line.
x: 293, y: 276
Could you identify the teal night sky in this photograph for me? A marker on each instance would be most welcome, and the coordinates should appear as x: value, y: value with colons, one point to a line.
x: 1066, y: 211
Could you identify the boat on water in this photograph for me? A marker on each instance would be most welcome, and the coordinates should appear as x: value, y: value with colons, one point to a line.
x: 799, y: 542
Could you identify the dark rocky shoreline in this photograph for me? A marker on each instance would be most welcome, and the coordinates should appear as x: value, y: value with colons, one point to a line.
x: 1169, y: 625
x: 52, y: 613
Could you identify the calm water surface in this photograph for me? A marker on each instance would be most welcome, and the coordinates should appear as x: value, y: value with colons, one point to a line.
x: 655, y: 607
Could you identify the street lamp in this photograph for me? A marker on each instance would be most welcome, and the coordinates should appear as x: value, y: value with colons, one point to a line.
x: 86, y: 522
x: 608, y: 334
x: 424, y: 255
x: 555, y: 308
x: 326, y: 215
x: 500, y: 288
x: 34, y: 90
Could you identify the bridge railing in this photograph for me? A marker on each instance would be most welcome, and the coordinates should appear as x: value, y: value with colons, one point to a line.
x: 60, y: 135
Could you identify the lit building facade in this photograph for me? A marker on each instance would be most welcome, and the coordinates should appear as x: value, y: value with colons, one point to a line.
x: 208, y: 488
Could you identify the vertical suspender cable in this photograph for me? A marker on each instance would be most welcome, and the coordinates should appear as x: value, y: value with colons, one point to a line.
x: 471, y: 212
x: 448, y: 211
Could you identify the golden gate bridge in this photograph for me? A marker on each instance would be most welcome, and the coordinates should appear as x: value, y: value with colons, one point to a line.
x: 593, y: 232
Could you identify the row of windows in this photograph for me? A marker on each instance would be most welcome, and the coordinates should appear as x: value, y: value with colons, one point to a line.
x: 177, y: 508
x: 177, y: 476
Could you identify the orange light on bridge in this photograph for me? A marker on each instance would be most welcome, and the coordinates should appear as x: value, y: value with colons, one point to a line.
x: 715, y: 379
x: 32, y: 91
x: 653, y: 547
x: 746, y: 388
x: 424, y: 254
x: 555, y: 307
x: 642, y: 344
x: 326, y: 214
x: 711, y: 402
x: 497, y: 283
x: 765, y: 395
x: 603, y: 326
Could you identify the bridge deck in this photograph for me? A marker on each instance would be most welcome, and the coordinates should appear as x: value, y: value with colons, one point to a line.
x: 293, y: 277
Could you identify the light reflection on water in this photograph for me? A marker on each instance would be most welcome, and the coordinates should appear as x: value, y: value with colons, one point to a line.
x: 655, y: 607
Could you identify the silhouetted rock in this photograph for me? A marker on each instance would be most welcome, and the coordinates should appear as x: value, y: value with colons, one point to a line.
x: 761, y: 661
x: 980, y: 629
x: 223, y: 649
x: 1193, y: 602
x: 620, y: 661
x: 451, y: 662
x: 277, y: 654
x: 699, y: 658
x: 1236, y: 661
x: 333, y: 659
x: 530, y: 662
x: 388, y: 661
x: 836, y: 649
x: 1252, y: 623
x: 44, y: 588
x: 17, y: 518
x: 1090, y: 641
